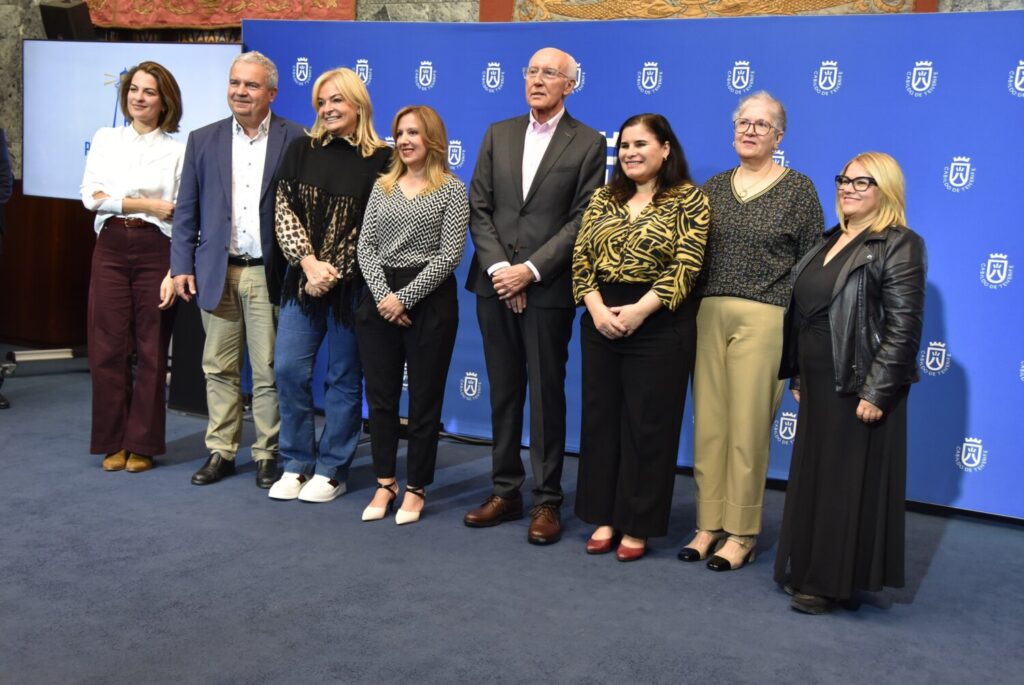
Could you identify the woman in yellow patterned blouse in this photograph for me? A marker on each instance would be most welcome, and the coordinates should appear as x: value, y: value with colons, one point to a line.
x: 637, y: 256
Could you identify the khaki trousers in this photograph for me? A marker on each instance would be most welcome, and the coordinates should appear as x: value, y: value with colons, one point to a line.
x: 244, y: 316
x: 735, y: 394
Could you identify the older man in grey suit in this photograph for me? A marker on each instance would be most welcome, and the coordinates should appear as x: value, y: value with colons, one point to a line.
x: 533, y: 178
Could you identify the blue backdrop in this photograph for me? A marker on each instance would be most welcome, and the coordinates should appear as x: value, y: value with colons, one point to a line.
x: 943, y: 93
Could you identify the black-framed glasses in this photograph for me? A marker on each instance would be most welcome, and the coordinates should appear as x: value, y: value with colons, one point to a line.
x: 860, y: 184
x: 761, y: 127
x: 547, y: 73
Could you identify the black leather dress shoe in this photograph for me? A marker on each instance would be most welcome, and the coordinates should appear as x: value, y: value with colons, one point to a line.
x: 215, y: 468
x: 266, y: 473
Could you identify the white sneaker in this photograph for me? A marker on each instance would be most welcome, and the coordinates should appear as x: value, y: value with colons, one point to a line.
x: 321, y: 489
x: 287, y: 486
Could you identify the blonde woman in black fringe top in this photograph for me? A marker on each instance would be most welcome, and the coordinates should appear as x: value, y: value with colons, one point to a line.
x: 637, y: 256
x: 323, y: 184
x: 412, y: 239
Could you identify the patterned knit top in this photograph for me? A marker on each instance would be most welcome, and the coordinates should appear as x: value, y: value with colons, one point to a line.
x: 663, y: 246
x: 754, y: 244
x: 322, y: 191
x: 428, y: 230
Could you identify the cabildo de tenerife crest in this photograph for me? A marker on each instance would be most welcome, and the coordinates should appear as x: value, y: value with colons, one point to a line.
x: 740, y: 78
x: 971, y: 455
x: 426, y: 77
x: 456, y: 154
x: 827, y: 78
x: 301, y: 72
x: 922, y: 79
x: 959, y: 175
x: 785, y: 428
x: 363, y: 71
x: 1016, y: 81
x: 648, y: 79
x: 581, y: 78
x: 779, y: 157
x: 493, y: 78
x: 934, y: 360
x: 469, y: 387
x: 996, y: 271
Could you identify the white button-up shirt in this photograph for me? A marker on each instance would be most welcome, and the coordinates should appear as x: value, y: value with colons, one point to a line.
x: 123, y: 164
x: 248, y: 156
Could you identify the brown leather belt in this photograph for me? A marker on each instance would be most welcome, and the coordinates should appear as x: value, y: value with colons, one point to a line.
x: 128, y: 222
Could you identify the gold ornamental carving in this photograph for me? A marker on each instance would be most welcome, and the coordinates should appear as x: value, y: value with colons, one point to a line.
x: 554, y: 10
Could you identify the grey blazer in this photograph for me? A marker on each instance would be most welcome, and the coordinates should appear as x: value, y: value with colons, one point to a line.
x: 542, y: 228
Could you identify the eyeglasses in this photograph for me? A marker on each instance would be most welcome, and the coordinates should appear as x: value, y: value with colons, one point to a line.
x: 860, y: 184
x: 761, y: 127
x: 547, y: 73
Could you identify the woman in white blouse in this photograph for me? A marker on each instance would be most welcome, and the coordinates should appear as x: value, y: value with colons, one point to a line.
x: 413, y: 236
x: 131, y: 182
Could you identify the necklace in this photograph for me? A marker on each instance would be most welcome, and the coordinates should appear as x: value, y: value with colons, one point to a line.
x: 742, y: 192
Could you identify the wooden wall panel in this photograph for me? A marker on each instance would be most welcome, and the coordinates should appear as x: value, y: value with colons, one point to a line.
x: 44, y: 271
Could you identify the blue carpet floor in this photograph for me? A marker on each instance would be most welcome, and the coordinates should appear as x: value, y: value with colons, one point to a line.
x: 122, y: 578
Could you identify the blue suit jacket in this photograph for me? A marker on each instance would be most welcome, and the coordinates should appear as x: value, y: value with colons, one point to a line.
x: 201, y: 234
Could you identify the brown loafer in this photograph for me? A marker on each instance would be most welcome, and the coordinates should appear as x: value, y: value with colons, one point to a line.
x: 546, y: 525
x: 493, y: 511
x: 137, y: 463
x: 115, y: 461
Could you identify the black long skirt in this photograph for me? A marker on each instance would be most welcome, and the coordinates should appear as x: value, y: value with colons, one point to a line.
x: 843, y: 524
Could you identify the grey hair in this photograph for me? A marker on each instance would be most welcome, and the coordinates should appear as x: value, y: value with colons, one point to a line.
x: 254, y: 57
x: 780, y: 111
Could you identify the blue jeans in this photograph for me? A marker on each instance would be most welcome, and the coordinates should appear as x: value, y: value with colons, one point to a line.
x: 298, y: 340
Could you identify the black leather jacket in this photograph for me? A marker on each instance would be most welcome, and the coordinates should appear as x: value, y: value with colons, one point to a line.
x: 876, y: 315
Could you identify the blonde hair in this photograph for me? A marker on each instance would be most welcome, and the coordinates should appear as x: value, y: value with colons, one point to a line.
x: 435, y: 139
x: 892, y: 208
x: 354, y: 91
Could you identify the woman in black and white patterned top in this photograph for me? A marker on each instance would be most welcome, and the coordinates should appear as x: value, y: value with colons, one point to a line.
x: 413, y: 236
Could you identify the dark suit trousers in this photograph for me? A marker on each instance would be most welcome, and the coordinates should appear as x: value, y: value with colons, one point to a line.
x: 426, y: 348
x: 128, y: 265
x: 634, y: 390
x: 528, y: 349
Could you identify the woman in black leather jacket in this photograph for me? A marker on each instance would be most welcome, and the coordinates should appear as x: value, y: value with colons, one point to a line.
x: 851, y: 337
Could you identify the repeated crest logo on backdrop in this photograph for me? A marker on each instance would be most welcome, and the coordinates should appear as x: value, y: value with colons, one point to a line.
x: 922, y: 79
x: 493, y: 77
x: 1016, y: 81
x: 301, y: 73
x: 779, y: 157
x: 363, y: 71
x: 959, y: 175
x: 648, y: 79
x: 971, y: 455
x: 469, y: 387
x: 456, y: 154
x: 934, y: 360
x: 426, y: 76
x: 785, y: 428
x: 828, y: 78
x: 996, y: 271
x: 740, y: 78
x: 580, y: 78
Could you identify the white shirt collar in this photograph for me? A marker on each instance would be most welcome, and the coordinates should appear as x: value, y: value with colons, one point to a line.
x: 548, y: 125
x: 261, y: 131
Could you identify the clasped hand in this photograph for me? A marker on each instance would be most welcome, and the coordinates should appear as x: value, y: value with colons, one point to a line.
x: 618, y: 322
x: 391, y: 309
x: 510, y: 284
x: 320, y: 276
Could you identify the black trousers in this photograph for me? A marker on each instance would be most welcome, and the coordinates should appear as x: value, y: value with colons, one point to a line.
x: 526, y: 350
x: 425, y: 349
x: 634, y: 390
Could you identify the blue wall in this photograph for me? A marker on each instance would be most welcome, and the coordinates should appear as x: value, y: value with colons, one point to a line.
x: 943, y: 93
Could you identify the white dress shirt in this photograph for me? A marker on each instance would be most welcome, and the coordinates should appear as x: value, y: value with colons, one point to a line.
x: 124, y: 164
x: 248, y: 156
x: 538, y: 137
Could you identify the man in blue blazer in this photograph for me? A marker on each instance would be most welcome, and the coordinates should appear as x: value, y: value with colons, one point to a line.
x: 224, y: 254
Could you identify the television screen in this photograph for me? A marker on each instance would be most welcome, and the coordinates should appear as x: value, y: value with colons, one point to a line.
x: 70, y: 90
